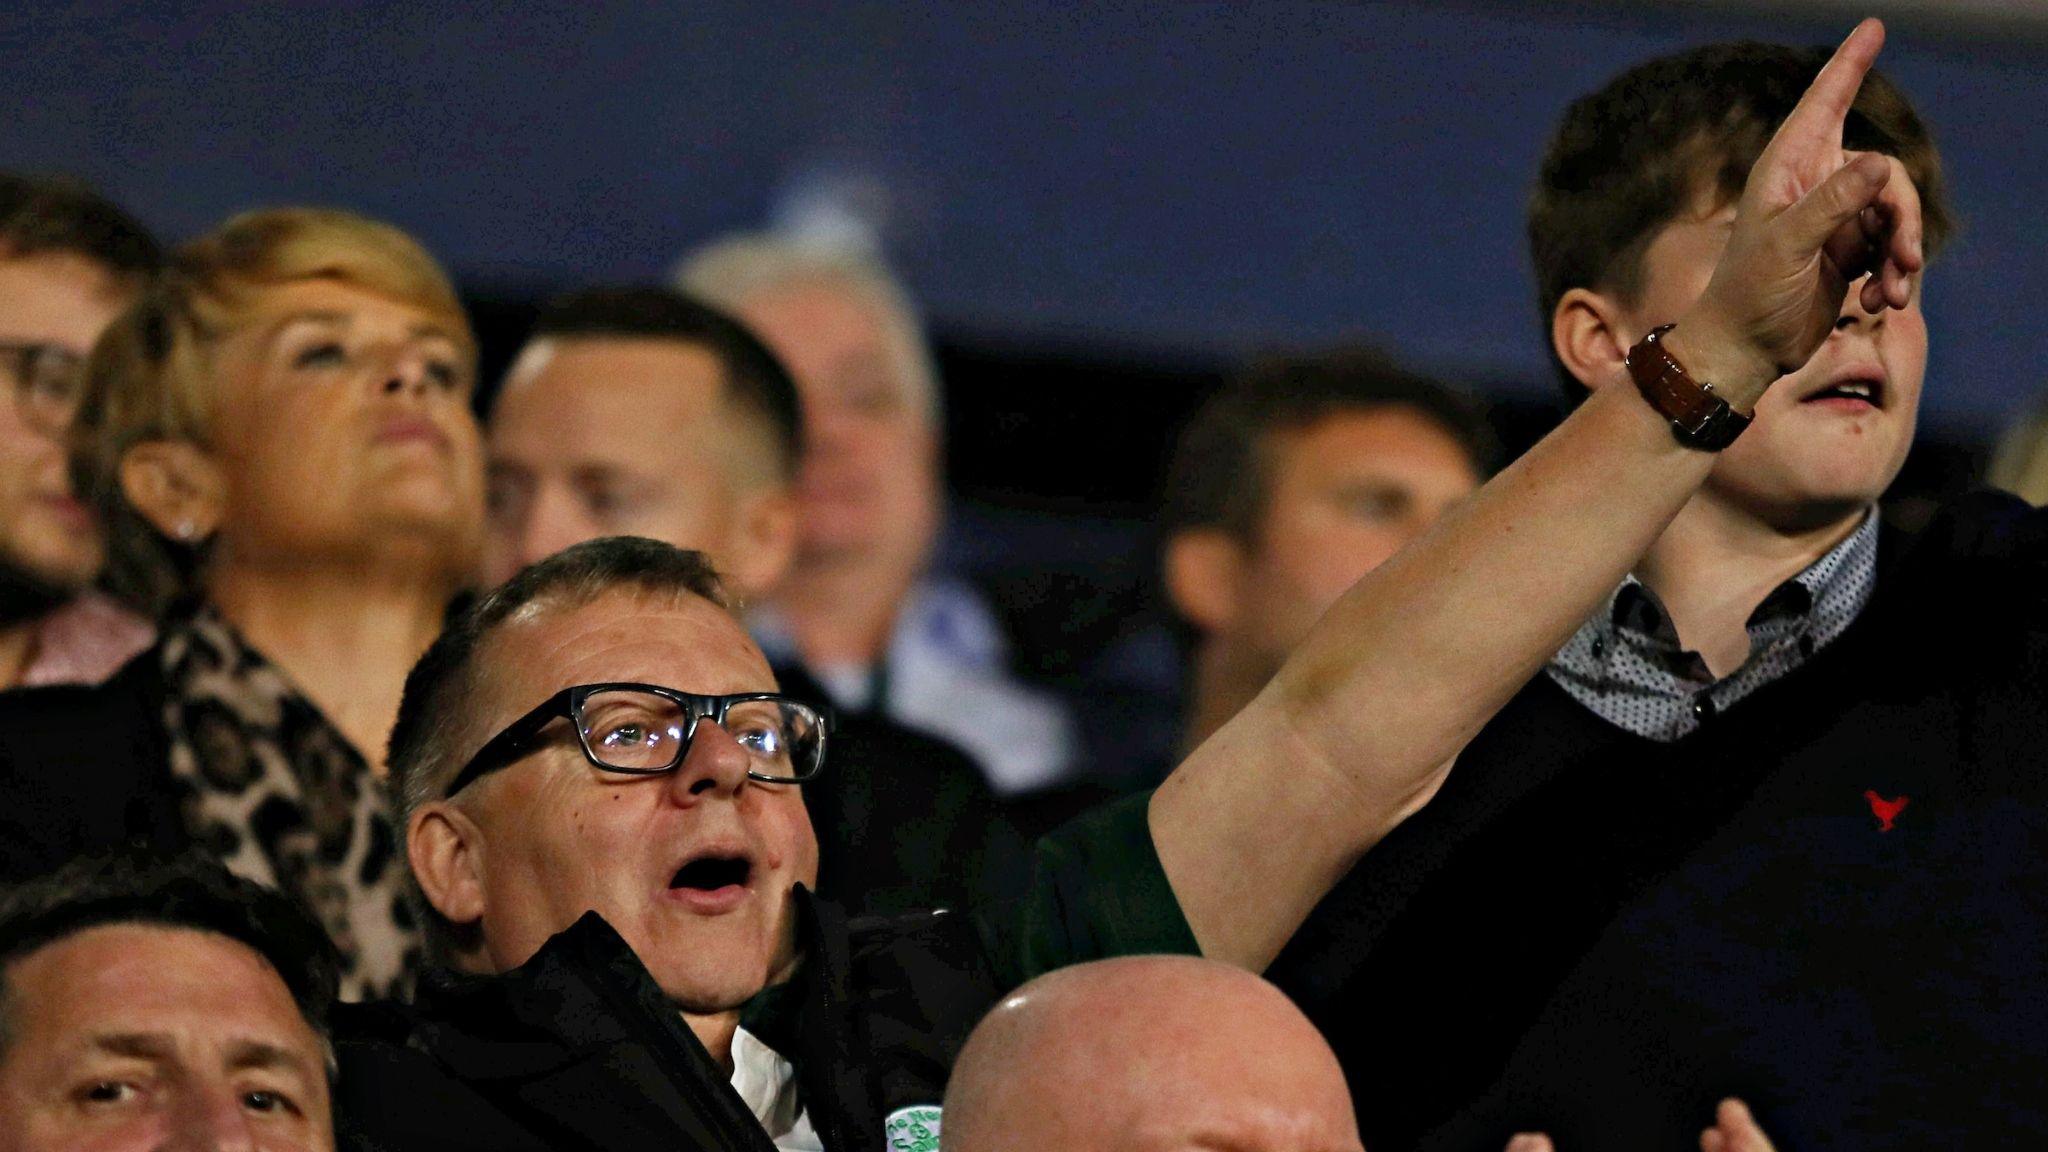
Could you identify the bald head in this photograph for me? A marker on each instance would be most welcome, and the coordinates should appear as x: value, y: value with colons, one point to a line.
x: 1148, y: 1054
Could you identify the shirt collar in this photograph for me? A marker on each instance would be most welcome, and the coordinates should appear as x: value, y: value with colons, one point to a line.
x: 1842, y: 575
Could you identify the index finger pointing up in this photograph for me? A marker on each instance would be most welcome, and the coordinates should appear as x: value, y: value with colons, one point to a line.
x: 1820, y: 112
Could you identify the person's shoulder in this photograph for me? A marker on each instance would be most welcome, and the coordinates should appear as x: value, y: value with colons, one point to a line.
x: 131, y: 694
x: 392, y: 1094
x: 937, y: 935
x: 910, y: 985
x: 1983, y: 524
x: 115, y: 715
x: 1976, y: 562
x: 80, y: 767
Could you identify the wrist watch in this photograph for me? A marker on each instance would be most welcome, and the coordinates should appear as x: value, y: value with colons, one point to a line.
x: 1699, y: 417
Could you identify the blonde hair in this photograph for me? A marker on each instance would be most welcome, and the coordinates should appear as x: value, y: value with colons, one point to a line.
x: 729, y: 272
x: 150, y: 376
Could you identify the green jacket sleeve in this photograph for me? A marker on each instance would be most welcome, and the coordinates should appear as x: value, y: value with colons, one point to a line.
x: 1097, y: 890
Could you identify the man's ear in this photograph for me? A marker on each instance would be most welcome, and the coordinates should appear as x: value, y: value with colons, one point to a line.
x: 763, y: 544
x: 445, y: 848
x: 1591, y: 335
x: 1205, y: 576
x: 177, y: 486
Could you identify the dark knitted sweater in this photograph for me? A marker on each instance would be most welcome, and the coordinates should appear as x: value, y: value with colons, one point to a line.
x: 1598, y: 935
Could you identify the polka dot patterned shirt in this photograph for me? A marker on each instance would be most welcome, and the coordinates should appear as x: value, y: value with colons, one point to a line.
x: 1627, y: 665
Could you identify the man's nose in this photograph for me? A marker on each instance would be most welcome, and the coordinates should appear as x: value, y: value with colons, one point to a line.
x: 715, y: 763
x: 210, y: 1119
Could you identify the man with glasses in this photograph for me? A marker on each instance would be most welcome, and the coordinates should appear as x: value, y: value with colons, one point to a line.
x: 621, y: 891
x: 638, y: 411
x: 69, y: 261
x: 635, y: 834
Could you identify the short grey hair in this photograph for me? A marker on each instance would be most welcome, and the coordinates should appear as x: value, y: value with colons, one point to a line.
x: 732, y: 270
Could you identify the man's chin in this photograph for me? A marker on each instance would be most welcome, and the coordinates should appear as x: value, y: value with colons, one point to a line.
x: 710, y: 994
x: 1816, y: 507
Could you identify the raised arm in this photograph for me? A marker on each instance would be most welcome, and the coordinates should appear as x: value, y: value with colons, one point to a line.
x: 1360, y: 726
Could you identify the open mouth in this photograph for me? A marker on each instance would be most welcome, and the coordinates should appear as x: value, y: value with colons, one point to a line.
x: 1862, y: 392
x: 711, y: 873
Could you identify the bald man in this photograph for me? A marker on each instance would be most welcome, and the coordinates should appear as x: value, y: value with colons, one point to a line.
x: 1166, y: 1054
x: 1144, y: 1053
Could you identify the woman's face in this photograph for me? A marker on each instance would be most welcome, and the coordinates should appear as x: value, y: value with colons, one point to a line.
x: 344, y: 433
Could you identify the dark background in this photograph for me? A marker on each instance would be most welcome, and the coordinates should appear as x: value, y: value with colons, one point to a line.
x: 1102, y: 206
x: 1162, y: 185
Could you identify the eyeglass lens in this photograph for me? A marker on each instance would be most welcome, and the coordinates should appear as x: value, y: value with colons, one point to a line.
x: 46, y: 381
x: 644, y: 732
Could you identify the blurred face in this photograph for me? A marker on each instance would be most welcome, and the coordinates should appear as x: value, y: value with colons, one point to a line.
x: 870, y: 481
x: 62, y: 301
x: 344, y: 429
x: 1345, y: 494
x: 135, y: 1038
x: 693, y: 868
x: 1829, y: 438
x: 607, y: 437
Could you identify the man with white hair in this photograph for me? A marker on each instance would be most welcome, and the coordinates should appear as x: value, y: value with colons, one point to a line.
x: 861, y: 607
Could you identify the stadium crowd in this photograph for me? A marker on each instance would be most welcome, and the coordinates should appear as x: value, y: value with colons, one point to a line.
x: 613, y: 765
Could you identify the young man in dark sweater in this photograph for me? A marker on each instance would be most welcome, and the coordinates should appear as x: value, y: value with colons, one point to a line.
x: 1768, y: 824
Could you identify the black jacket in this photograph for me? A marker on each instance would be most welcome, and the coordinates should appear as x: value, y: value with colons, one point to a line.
x: 578, y: 1049
x: 904, y: 820
x: 86, y: 769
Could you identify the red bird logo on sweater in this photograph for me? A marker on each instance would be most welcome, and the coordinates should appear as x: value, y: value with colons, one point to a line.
x: 1885, y: 810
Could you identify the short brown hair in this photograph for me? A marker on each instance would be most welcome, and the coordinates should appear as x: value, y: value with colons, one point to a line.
x: 150, y: 376
x: 1629, y: 158
x: 42, y: 215
x: 1221, y: 470
x: 189, y: 891
x: 755, y: 381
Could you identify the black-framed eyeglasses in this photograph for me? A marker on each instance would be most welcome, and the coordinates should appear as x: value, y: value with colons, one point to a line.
x: 46, y: 381
x: 646, y: 729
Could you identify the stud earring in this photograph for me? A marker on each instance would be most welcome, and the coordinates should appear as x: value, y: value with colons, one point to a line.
x: 187, y: 531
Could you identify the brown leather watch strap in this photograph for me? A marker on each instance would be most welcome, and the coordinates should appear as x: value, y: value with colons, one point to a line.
x: 1699, y: 418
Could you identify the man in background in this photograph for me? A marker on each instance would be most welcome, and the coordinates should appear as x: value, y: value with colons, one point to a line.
x: 1297, y: 478
x: 69, y: 262
x: 861, y: 606
x: 640, y: 411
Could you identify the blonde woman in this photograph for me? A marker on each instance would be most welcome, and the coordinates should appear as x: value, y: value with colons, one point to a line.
x: 279, y: 436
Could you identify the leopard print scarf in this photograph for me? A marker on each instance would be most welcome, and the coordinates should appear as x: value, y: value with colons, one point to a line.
x: 282, y: 798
